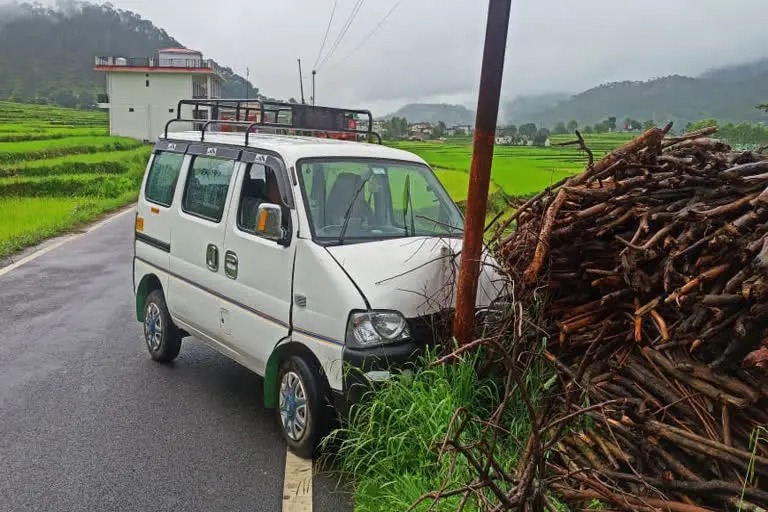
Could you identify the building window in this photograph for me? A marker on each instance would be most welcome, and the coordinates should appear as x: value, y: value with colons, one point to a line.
x: 207, y: 185
x: 199, y: 87
x: 171, y: 111
x: 147, y: 83
x: 130, y: 109
x: 161, y: 180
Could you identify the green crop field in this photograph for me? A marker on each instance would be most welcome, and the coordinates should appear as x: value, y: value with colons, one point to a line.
x: 59, y: 168
x: 517, y: 170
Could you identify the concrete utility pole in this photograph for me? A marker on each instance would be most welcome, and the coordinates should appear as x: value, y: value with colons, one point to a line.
x: 313, y: 86
x: 480, y: 169
x: 301, y: 83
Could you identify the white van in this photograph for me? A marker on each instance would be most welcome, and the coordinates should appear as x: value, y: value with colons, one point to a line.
x: 317, y: 263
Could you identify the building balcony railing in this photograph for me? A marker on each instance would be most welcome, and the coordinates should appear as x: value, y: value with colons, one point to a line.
x: 152, y: 62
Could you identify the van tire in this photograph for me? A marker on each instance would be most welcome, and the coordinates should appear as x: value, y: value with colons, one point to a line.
x: 163, y: 346
x: 315, y: 416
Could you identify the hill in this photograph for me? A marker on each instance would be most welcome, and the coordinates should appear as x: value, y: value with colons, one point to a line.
x: 526, y: 107
x: 727, y: 94
x: 47, y: 55
x: 433, y: 112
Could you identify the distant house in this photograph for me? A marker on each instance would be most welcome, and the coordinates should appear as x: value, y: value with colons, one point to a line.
x: 425, y: 128
x: 505, y: 140
x: 379, y: 127
x: 420, y: 131
x: 459, y: 129
x: 417, y: 135
x: 142, y: 93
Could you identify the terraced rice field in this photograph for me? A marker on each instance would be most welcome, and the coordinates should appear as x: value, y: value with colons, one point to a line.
x: 60, y: 168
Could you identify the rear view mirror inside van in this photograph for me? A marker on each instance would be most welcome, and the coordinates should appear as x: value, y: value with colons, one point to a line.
x: 269, y: 221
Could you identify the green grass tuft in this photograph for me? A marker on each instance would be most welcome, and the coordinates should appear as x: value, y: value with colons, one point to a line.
x: 390, y: 446
x: 27, y: 220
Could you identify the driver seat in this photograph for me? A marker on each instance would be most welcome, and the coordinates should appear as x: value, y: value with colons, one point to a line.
x: 343, y: 190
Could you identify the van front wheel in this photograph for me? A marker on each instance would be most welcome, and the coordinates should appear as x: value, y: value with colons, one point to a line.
x: 161, y: 336
x: 299, y: 411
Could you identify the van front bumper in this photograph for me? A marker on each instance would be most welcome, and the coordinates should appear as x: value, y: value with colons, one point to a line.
x: 364, y: 368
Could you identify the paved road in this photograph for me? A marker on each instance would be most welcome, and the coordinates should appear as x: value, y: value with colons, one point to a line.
x: 89, y: 423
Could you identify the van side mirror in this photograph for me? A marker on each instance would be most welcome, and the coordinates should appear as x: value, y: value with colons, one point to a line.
x: 269, y: 221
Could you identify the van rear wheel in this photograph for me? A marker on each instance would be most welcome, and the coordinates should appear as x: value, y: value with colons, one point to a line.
x: 300, y: 411
x: 161, y: 336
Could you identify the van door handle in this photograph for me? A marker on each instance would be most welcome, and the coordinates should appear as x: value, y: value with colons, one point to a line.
x: 230, y: 264
x: 212, y: 257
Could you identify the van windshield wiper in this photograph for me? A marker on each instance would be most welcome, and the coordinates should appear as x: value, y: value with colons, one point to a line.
x: 408, y: 205
x: 348, y: 213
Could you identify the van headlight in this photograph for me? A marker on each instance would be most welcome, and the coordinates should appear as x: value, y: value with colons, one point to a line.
x: 371, y: 328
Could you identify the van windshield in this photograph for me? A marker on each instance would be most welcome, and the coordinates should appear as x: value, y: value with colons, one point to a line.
x: 358, y: 200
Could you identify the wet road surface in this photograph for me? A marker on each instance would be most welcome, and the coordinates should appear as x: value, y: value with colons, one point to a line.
x: 88, y: 422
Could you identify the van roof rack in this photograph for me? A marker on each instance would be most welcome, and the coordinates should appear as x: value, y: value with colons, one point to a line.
x: 291, y: 118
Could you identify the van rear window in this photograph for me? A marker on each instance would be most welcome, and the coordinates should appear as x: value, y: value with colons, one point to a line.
x: 161, y: 181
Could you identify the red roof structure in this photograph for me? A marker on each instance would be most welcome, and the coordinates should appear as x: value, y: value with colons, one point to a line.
x: 178, y: 50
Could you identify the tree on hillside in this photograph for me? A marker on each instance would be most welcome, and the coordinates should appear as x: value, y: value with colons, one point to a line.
x: 572, y: 126
x: 744, y: 133
x: 632, y: 124
x: 587, y: 130
x: 648, y: 125
x: 612, y: 123
x: 702, y: 123
x: 47, y: 54
x: 528, y: 130
x: 440, y: 129
x: 396, y: 126
x: 541, y: 137
x: 560, y: 129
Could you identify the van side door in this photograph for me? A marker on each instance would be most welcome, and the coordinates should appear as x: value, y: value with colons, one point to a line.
x: 197, y: 279
x: 260, y: 270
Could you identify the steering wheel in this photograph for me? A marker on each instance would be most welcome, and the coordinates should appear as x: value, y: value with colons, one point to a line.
x: 326, y: 230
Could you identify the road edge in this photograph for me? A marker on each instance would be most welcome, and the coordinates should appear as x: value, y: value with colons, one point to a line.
x: 31, y: 253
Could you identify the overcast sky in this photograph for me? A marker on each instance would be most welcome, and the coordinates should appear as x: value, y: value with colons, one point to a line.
x: 430, y: 50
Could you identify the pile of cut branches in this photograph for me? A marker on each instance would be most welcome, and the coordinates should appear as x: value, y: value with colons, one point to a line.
x: 649, y: 272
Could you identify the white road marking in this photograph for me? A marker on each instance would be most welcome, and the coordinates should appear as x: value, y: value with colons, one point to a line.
x: 56, y: 245
x: 297, y: 484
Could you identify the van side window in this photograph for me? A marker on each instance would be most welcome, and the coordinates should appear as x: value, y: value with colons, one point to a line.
x: 161, y: 181
x: 207, y: 185
x: 259, y: 186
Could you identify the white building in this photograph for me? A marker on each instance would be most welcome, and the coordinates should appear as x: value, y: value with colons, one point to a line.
x: 142, y: 93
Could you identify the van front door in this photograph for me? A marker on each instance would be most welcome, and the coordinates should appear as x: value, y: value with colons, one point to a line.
x: 197, y: 280
x: 260, y: 270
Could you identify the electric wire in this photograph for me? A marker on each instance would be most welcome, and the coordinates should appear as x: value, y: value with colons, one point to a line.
x: 343, y: 33
x: 372, y: 32
x: 325, y: 37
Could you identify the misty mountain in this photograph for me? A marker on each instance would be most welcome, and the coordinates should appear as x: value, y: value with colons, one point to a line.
x: 451, y: 115
x: 47, y: 55
x: 526, y: 107
x: 727, y: 94
x: 737, y: 73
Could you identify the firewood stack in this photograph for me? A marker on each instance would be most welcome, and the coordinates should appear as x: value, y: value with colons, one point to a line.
x: 653, y: 268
